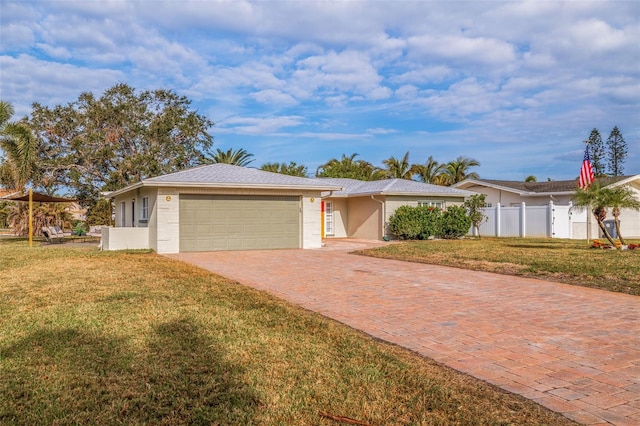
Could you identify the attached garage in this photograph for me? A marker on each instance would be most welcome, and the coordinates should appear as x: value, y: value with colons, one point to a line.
x: 236, y: 222
x: 218, y: 207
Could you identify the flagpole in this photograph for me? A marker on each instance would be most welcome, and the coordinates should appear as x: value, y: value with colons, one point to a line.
x: 30, y: 217
x: 586, y: 143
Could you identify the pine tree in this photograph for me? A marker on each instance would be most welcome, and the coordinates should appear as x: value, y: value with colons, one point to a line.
x: 597, y: 152
x: 617, y: 152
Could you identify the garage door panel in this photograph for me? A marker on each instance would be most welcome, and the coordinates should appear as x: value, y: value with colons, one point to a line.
x: 215, y: 222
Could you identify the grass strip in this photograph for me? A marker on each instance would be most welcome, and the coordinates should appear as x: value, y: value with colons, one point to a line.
x: 566, y: 261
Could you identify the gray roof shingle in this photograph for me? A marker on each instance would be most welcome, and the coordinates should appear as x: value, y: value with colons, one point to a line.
x: 354, y: 188
x: 235, y: 175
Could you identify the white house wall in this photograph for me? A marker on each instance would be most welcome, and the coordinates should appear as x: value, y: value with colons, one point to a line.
x: 164, y: 220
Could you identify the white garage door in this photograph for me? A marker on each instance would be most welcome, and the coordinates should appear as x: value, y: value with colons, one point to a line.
x: 238, y: 222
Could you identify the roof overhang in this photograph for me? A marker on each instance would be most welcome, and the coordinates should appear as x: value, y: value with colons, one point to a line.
x: 220, y: 185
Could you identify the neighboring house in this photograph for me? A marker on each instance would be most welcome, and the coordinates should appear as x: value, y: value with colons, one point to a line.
x: 217, y: 207
x: 512, y: 194
x: 362, y: 209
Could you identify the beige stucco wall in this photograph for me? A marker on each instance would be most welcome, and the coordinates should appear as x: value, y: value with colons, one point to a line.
x: 365, y: 216
x: 340, y: 217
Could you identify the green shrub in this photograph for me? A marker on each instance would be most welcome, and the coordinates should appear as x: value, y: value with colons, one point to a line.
x: 419, y: 223
x: 405, y: 223
x: 454, y: 222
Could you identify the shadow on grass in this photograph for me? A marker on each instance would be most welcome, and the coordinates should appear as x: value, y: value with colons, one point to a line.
x: 72, y: 377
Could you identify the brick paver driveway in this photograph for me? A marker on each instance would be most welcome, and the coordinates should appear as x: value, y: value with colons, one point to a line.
x: 574, y: 350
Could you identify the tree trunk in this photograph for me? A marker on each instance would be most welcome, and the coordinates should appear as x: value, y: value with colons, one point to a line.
x: 616, y: 214
x: 605, y: 232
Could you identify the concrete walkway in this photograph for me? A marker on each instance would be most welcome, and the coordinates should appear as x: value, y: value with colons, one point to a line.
x: 571, y: 349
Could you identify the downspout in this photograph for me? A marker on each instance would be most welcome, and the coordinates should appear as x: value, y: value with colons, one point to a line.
x: 384, y: 215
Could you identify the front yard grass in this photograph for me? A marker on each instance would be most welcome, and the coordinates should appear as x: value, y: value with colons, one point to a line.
x: 89, y: 337
x: 566, y: 261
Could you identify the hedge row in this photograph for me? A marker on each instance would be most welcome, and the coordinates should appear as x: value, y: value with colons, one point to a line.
x: 420, y: 223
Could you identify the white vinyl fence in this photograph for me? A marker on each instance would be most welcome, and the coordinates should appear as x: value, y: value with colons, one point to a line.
x: 552, y: 221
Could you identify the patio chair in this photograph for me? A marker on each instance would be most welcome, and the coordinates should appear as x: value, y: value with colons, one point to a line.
x: 51, y: 235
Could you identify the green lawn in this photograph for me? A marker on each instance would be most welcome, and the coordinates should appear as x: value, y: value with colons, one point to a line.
x: 89, y: 337
x: 567, y: 261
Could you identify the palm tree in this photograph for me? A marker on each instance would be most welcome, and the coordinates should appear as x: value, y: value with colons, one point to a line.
x: 348, y: 167
x: 399, y: 168
x: 430, y: 171
x: 239, y: 157
x: 531, y: 178
x: 458, y: 169
x: 595, y: 197
x: 20, y: 147
x: 618, y: 197
x: 291, y: 169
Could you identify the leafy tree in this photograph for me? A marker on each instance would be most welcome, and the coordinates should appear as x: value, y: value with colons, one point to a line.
x: 431, y: 171
x: 399, y: 168
x: 100, y: 213
x: 595, y: 197
x: 238, y: 157
x: 597, y: 152
x: 20, y: 163
x: 531, y: 178
x: 349, y: 167
x: 473, y: 205
x: 291, y: 169
x: 617, y: 150
x: 618, y: 197
x: 458, y: 170
x: 102, y: 144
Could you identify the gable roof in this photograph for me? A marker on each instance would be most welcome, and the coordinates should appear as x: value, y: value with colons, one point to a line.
x: 359, y: 188
x: 229, y: 176
x: 541, y: 188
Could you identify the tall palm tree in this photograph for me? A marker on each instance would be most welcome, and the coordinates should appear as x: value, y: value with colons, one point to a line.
x: 618, y: 197
x: 348, y: 167
x: 595, y: 197
x: 430, y: 171
x: 20, y: 148
x: 239, y: 157
x: 399, y: 168
x: 458, y: 169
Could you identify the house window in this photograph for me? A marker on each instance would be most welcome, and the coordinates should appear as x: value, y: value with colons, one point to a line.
x: 144, y: 211
x: 133, y: 212
x: 438, y: 204
x: 328, y: 218
x: 123, y: 214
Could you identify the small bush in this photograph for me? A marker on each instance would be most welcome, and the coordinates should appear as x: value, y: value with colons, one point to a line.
x: 419, y: 223
x: 454, y: 222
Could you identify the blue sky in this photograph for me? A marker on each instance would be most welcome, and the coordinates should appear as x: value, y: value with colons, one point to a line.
x: 516, y: 85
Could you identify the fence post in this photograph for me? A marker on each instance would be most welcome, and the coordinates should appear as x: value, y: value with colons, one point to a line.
x: 498, y: 219
x: 550, y: 219
x: 570, y: 212
x: 523, y: 219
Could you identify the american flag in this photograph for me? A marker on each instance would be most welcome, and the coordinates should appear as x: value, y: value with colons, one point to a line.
x: 586, y: 171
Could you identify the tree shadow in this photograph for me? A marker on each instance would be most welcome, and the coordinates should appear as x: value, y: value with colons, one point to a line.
x: 69, y: 376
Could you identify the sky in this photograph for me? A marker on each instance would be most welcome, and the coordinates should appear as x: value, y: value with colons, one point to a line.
x: 517, y: 86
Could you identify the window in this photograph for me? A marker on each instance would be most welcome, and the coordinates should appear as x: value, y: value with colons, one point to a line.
x: 328, y: 218
x: 144, y: 212
x: 133, y: 212
x: 438, y: 204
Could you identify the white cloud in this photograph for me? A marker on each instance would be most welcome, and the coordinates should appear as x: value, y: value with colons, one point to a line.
x: 272, y: 97
x: 257, y: 126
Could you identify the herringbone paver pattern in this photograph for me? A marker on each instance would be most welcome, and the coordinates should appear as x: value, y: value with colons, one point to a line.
x: 572, y: 349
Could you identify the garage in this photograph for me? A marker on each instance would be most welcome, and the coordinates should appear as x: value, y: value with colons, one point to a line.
x: 239, y: 222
